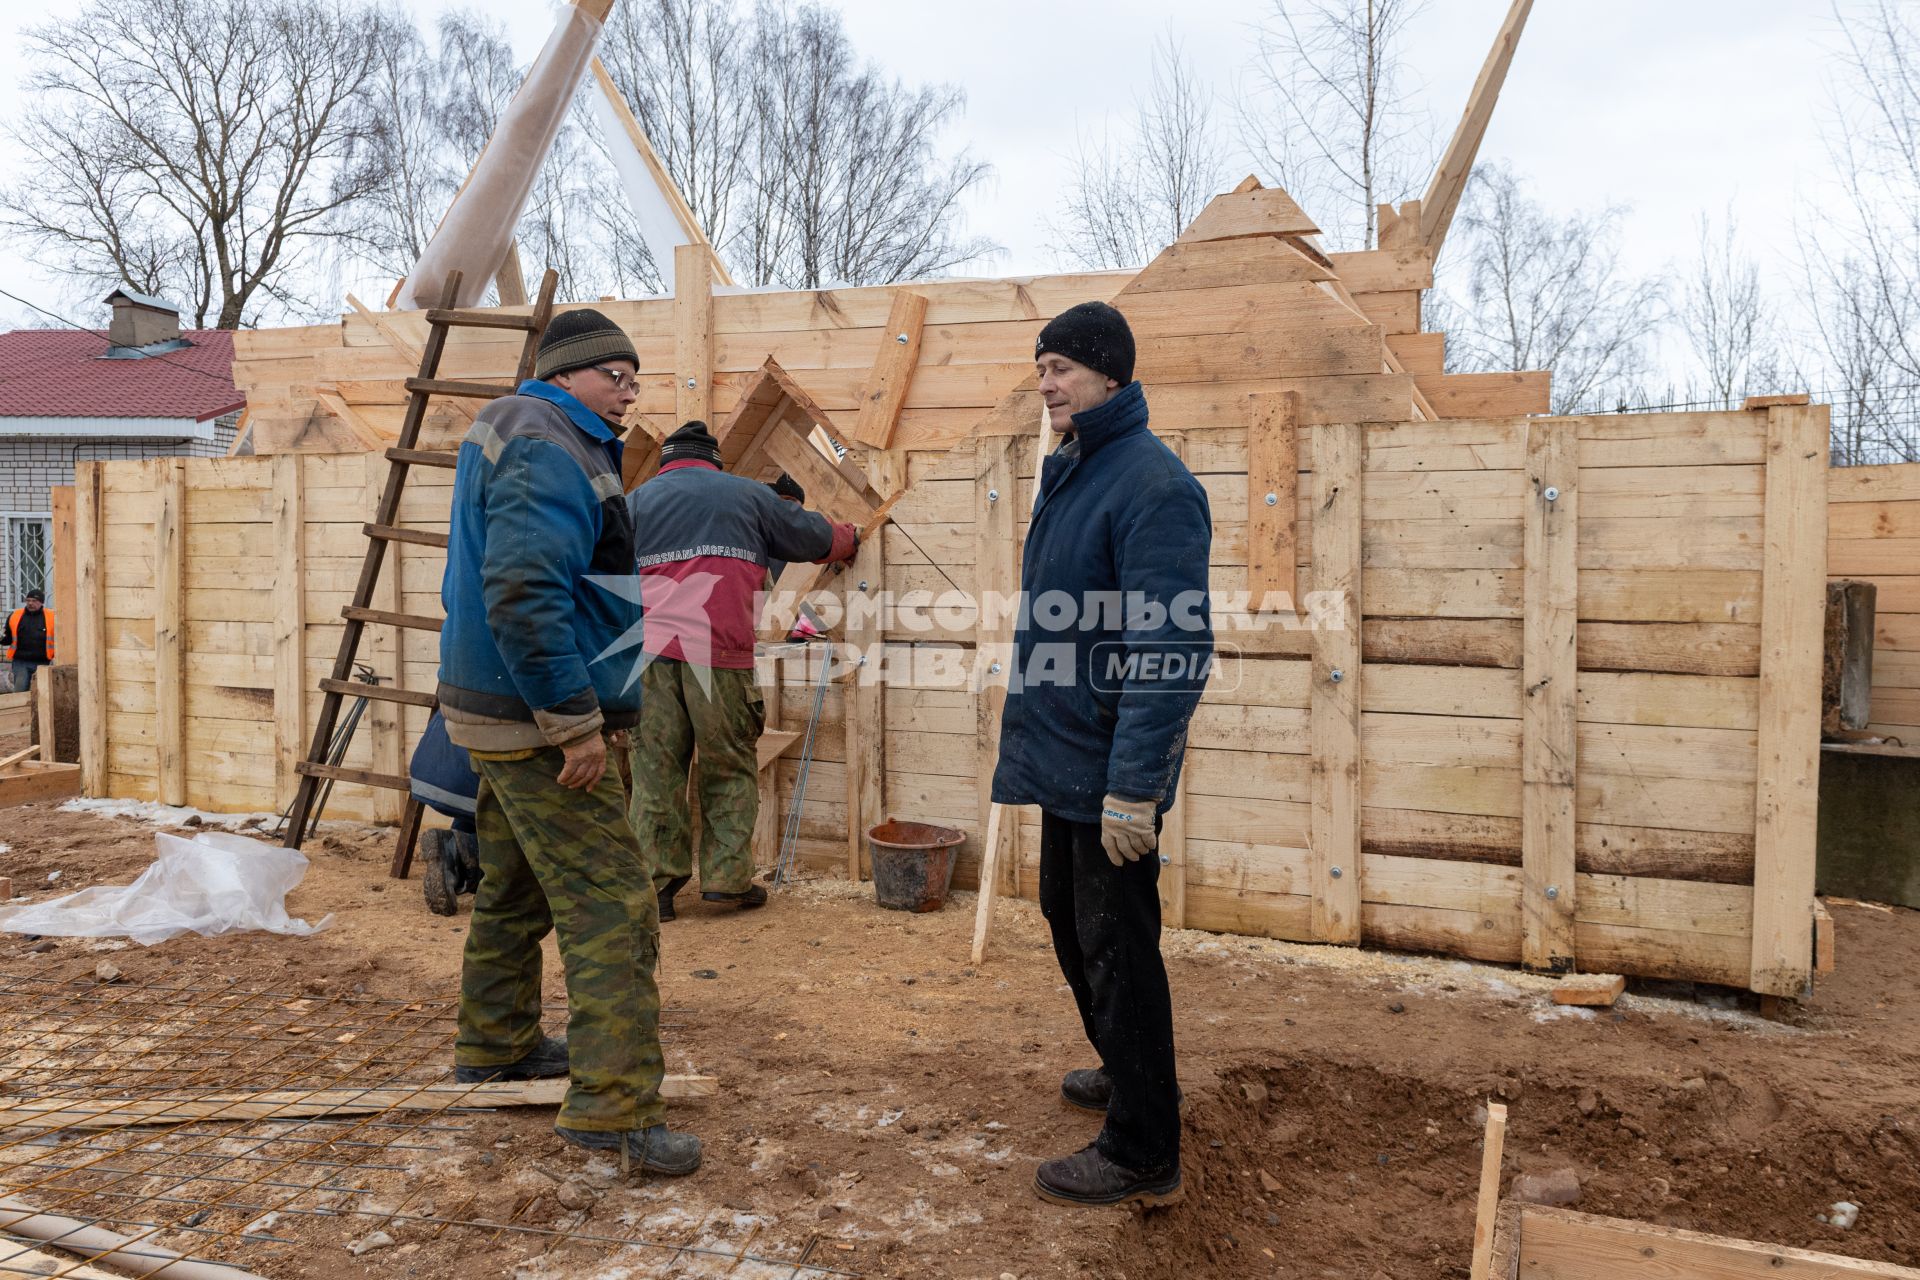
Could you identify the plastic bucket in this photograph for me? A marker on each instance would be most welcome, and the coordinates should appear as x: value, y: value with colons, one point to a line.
x: 912, y: 864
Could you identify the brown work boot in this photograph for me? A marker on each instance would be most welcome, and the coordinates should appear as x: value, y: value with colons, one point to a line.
x: 1088, y: 1178
x: 657, y: 1149
x: 1090, y: 1089
x: 754, y: 895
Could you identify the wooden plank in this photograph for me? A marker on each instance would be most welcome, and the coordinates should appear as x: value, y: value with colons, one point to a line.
x: 769, y: 824
x: 1549, y: 681
x: 289, y: 625
x: 885, y: 392
x: 999, y: 819
x: 66, y: 579
x: 1823, y: 949
x: 1487, y: 395
x: 866, y: 712
x: 32, y: 780
x: 1273, y: 463
x: 996, y: 558
x: 692, y: 333
x: 90, y: 633
x: 1792, y: 609
x: 1263, y: 211
x: 1173, y: 861
x: 1492, y: 1147
x: 169, y: 640
x: 1450, y: 177
x: 1560, y: 1244
x: 1339, y: 453
x: 1589, y: 990
x: 380, y: 646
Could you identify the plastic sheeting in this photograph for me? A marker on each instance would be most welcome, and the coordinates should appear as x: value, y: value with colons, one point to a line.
x: 216, y: 883
x: 473, y: 238
x: 659, y: 225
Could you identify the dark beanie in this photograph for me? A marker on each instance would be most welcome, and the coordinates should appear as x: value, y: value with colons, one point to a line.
x: 787, y: 487
x: 1092, y: 334
x: 691, y: 443
x: 576, y: 339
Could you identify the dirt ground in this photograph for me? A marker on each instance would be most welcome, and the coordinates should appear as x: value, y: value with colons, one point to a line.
x: 879, y: 1093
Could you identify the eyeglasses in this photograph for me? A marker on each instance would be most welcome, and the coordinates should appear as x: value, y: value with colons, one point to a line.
x: 621, y: 381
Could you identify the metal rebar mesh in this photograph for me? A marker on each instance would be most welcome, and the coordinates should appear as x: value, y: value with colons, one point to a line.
x: 218, y: 1189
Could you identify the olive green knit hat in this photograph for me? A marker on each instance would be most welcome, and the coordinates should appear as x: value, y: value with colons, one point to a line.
x: 576, y: 339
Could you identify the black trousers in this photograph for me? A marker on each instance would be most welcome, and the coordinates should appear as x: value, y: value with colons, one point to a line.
x: 1106, y: 934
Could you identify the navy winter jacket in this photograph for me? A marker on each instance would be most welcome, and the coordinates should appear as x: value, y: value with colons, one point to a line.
x: 531, y: 654
x: 1115, y: 638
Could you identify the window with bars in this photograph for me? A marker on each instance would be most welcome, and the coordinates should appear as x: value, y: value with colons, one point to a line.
x: 29, y: 553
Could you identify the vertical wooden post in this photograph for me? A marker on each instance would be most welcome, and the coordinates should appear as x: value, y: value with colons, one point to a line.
x: 1549, y: 680
x: 1792, y: 617
x: 1273, y: 451
x: 90, y: 625
x: 66, y: 594
x: 1339, y: 456
x: 866, y: 708
x: 996, y: 578
x: 289, y: 626
x: 1173, y: 855
x: 767, y: 825
x: 383, y: 719
x: 692, y: 334
x: 1488, y: 1204
x: 169, y: 627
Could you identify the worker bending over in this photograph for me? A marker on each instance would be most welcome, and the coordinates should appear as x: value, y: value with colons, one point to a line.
x: 705, y: 539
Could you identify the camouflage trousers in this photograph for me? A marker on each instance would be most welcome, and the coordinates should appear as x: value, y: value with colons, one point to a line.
x: 719, y: 713
x: 558, y: 860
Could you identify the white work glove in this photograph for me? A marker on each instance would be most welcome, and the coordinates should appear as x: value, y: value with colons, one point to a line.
x: 1126, y: 829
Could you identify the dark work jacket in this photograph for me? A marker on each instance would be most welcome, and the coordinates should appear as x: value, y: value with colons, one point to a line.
x: 1114, y: 639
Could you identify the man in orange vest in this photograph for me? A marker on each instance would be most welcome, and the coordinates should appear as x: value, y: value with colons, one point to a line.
x: 29, y: 640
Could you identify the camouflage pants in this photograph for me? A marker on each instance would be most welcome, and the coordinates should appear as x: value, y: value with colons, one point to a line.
x: 554, y: 859
x: 720, y: 713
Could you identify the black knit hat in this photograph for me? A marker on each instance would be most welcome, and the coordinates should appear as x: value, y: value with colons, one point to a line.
x: 787, y: 487
x: 691, y: 443
x: 1092, y: 334
x: 32, y: 594
x: 576, y: 339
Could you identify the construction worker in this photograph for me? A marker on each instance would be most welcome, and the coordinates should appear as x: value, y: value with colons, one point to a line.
x: 705, y: 540
x: 539, y: 585
x: 1094, y: 730
x: 29, y: 639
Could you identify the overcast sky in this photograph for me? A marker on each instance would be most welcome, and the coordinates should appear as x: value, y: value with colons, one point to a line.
x: 1671, y: 107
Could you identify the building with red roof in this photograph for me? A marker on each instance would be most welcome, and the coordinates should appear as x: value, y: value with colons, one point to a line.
x: 140, y: 388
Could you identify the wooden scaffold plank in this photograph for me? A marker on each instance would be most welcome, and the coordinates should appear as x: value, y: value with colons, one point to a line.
x: 1550, y: 684
x: 1339, y: 452
x: 169, y: 627
x: 1792, y: 621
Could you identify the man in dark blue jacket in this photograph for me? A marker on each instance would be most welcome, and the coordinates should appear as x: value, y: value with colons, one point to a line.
x: 535, y: 670
x: 1111, y: 651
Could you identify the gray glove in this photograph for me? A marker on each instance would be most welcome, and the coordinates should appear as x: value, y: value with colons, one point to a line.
x: 1126, y: 829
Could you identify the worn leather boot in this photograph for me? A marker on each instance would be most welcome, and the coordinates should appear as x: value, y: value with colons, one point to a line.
x: 657, y: 1149
x: 437, y: 872
x: 1091, y: 1090
x: 1088, y: 1178
x: 548, y: 1060
x: 666, y: 893
x: 754, y: 895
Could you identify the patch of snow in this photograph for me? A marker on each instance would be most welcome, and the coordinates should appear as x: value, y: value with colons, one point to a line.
x: 166, y: 815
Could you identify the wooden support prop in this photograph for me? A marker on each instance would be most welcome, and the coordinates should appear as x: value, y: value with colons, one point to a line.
x: 1550, y: 684
x: 1173, y: 859
x: 767, y: 824
x: 885, y: 392
x: 66, y: 578
x: 169, y: 626
x: 1450, y: 179
x: 1339, y: 452
x: 996, y: 584
x: 91, y: 632
x: 385, y: 720
x: 1273, y: 464
x: 1823, y: 958
x: 1792, y: 616
x: 999, y: 818
x: 1590, y: 990
x: 1493, y: 1147
x: 289, y: 627
x: 18, y: 756
x: 692, y: 334
x: 866, y: 708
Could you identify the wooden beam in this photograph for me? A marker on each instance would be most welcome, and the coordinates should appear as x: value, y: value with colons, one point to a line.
x: 1273, y: 464
x: 1590, y: 990
x: 1823, y: 953
x: 996, y: 584
x: 169, y: 627
x: 1550, y: 684
x: 381, y: 644
x: 1560, y: 1244
x: 692, y: 334
x: 1487, y: 395
x: 1792, y: 617
x: 768, y: 824
x: 90, y: 629
x: 509, y: 282
x: 289, y: 626
x: 1339, y: 452
x: 66, y: 578
x: 999, y: 819
x: 682, y: 212
x: 28, y: 781
x: 866, y: 708
x: 1450, y: 179
x: 1173, y: 860
x: 1492, y: 1148
x: 885, y: 392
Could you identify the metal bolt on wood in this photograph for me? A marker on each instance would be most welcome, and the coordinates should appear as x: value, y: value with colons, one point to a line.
x: 1336, y: 675
x: 901, y: 338
x: 1334, y: 872
x: 1553, y: 891
x: 1550, y: 493
x: 993, y: 495
x: 1273, y: 499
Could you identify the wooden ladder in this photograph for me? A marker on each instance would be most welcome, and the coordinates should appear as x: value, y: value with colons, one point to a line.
x: 385, y: 528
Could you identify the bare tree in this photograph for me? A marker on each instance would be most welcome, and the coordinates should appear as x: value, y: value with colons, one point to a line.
x: 1123, y: 206
x: 1329, y: 118
x: 197, y: 147
x: 1729, y: 324
x: 1540, y: 292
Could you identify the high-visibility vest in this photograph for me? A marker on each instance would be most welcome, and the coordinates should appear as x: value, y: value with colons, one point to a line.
x: 13, y: 631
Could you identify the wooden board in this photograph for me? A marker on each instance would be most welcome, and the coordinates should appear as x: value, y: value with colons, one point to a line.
x: 169, y: 645
x: 1549, y: 706
x: 1560, y: 1244
x: 1592, y: 990
x: 1339, y: 453
x: 1272, y: 474
x: 31, y: 781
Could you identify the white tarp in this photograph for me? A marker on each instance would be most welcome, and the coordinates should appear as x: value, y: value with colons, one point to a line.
x: 215, y: 883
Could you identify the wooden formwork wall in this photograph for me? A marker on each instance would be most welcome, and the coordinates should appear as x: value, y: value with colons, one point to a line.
x: 1873, y: 529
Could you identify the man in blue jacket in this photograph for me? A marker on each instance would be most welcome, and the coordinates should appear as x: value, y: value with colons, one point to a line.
x: 534, y: 673
x: 1110, y: 654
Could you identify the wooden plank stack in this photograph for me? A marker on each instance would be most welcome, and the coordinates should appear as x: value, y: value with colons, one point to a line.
x: 1577, y: 658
